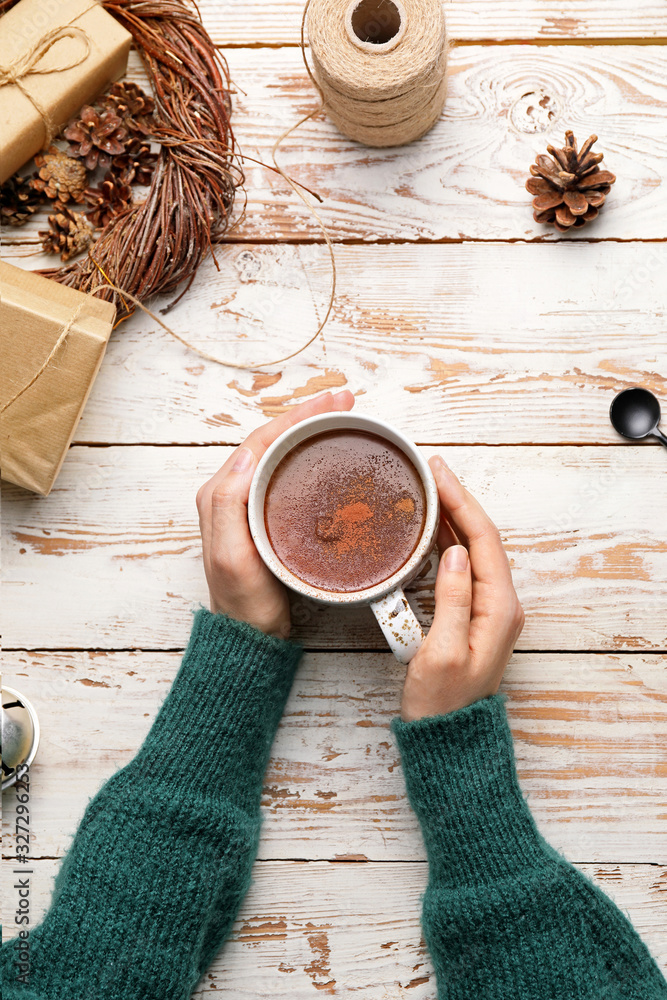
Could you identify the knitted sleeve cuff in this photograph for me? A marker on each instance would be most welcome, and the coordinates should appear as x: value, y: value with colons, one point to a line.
x: 217, y: 724
x: 462, y: 783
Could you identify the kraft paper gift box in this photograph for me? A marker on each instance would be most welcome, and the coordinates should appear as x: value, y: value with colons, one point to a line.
x: 36, y: 428
x: 55, y: 56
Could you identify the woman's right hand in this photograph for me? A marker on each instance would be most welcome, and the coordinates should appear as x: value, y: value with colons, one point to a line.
x: 478, y: 617
x: 239, y: 583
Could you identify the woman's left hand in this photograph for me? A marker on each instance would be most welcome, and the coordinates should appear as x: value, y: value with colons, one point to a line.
x: 239, y: 583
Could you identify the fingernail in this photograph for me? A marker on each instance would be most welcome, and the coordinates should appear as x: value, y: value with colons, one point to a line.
x: 439, y: 465
x: 456, y: 559
x: 243, y: 461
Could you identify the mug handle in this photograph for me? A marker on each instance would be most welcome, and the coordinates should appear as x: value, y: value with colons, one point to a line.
x: 399, y: 624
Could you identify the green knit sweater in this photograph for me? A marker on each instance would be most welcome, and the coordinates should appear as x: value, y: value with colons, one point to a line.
x: 162, y: 859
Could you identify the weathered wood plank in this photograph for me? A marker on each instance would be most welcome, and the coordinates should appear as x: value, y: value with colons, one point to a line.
x: 472, y: 342
x: 112, y: 558
x: 251, y: 22
x: 589, y: 731
x: 342, y: 927
x: 465, y: 179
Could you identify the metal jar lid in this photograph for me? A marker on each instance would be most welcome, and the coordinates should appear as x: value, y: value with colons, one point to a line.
x: 20, y: 734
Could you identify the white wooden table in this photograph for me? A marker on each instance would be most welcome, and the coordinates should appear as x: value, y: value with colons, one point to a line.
x: 480, y: 334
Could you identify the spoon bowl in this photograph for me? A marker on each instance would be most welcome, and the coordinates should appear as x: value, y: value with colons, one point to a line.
x: 635, y: 413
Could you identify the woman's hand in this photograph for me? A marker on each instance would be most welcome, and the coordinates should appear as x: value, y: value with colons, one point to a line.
x: 239, y: 583
x: 478, y: 618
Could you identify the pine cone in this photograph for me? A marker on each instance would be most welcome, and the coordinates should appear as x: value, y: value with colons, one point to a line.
x: 108, y: 200
x: 132, y: 105
x: 70, y: 233
x: 59, y: 177
x: 569, y: 186
x: 136, y: 164
x: 18, y: 201
x: 96, y: 136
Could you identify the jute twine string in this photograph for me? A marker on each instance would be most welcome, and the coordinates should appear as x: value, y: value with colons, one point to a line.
x: 124, y: 294
x: 383, y: 94
x: 298, y: 191
x: 380, y: 66
x: 388, y: 107
x: 64, y: 333
x: 27, y: 64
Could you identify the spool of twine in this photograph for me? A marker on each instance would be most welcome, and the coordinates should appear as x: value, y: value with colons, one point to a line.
x: 380, y: 66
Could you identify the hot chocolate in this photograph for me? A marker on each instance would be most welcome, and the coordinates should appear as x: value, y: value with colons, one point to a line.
x: 345, y: 510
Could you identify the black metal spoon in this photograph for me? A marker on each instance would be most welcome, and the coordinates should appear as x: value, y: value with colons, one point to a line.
x: 635, y: 413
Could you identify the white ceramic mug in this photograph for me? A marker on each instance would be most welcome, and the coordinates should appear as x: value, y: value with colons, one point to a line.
x: 390, y: 606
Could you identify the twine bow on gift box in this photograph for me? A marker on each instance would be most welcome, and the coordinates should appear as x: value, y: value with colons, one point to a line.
x: 27, y: 64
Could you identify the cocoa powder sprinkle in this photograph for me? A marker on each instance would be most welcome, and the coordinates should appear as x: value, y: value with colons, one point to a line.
x: 345, y: 529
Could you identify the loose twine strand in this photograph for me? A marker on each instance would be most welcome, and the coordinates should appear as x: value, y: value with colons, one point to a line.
x: 24, y: 66
x: 421, y: 101
x: 297, y: 190
x: 27, y: 64
x: 420, y: 117
x: 424, y: 96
